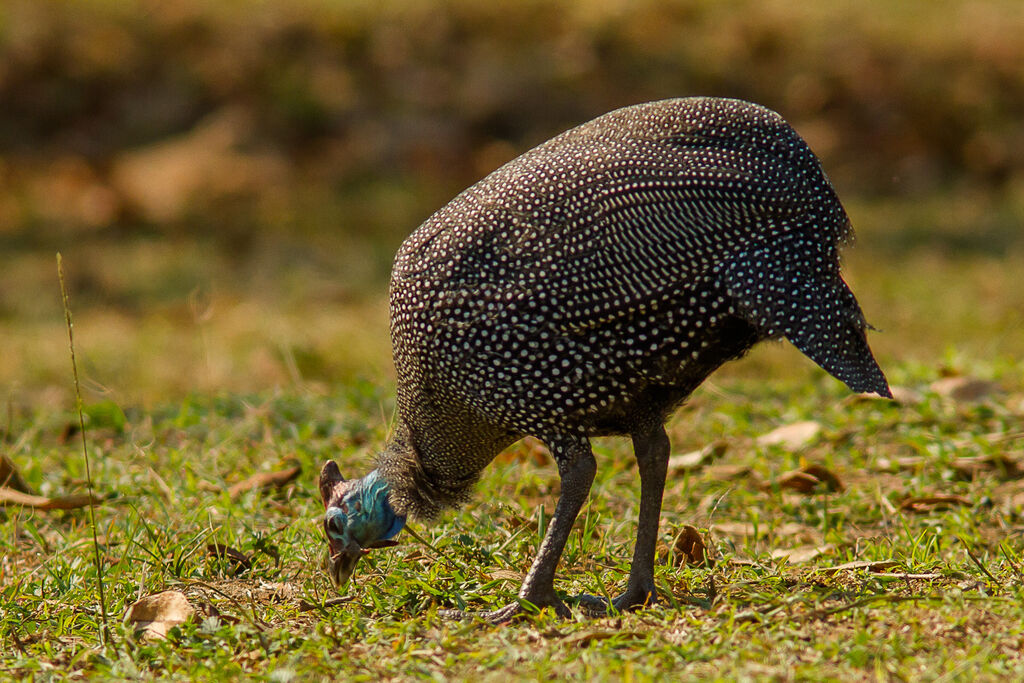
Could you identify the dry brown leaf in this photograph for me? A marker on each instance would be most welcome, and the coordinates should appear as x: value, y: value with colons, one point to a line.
x: 208, y: 486
x: 210, y: 610
x: 416, y: 555
x: 908, y: 463
x: 730, y: 473
x: 801, y: 554
x: 307, y: 606
x: 871, y: 566
x: 788, y: 530
x: 690, y: 548
x: 964, y: 389
x: 929, y: 503
x: 67, y: 432
x: 72, y: 502
x: 263, y: 480
x: 1002, y: 465
x: 742, y: 562
x: 910, y: 576
x: 906, y: 396
x: 528, y: 450
x: 10, y: 477
x: 240, y: 562
x: 811, y: 479
x: 791, y: 436
x: 735, y: 528
x: 698, y: 458
x: 154, y: 615
x: 505, y: 575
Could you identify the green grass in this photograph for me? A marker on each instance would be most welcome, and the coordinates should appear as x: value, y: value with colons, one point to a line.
x: 753, y: 615
x: 187, y: 394
x: 231, y: 323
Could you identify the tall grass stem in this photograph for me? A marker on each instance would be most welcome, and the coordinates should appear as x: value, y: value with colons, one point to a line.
x: 105, y: 636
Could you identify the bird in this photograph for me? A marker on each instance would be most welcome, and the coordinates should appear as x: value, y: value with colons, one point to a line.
x: 585, y: 289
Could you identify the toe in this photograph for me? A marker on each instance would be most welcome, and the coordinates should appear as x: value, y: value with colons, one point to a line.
x: 592, y: 604
x: 506, y: 614
x: 631, y: 599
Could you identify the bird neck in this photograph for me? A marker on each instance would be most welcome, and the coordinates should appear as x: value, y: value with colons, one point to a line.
x: 381, y: 523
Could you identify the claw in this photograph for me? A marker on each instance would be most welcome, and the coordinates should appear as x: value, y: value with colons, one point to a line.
x: 630, y: 600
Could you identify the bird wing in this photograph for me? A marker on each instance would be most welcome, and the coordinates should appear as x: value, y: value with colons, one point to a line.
x: 793, y: 291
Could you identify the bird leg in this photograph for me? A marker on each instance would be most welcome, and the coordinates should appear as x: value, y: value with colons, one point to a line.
x: 651, y: 448
x: 576, y: 467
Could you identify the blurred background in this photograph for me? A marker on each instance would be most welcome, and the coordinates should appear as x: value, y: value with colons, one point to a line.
x: 228, y: 181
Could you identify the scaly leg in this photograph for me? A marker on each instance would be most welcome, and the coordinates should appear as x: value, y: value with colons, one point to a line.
x: 651, y: 448
x: 576, y: 467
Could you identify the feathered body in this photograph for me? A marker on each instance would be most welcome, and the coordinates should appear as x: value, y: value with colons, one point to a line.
x: 586, y: 289
x: 593, y: 283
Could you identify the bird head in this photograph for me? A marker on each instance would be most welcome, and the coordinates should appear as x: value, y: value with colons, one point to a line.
x: 357, y: 518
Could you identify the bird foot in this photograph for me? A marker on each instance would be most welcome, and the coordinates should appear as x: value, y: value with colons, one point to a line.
x: 631, y: 599
x: 508, y: 613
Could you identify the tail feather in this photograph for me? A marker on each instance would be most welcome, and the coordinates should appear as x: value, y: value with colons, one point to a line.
x: 794, y: 292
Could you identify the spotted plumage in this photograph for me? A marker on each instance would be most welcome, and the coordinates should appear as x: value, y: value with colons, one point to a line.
x: 587, y: 287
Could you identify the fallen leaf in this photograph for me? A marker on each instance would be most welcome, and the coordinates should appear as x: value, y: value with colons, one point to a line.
x: 929, y: 503
x: 307, y: 606
x: 72, y: 502
x: 906, y: 576
x: 67, y: 432
x: 801, y: 554
x: 239, y: 561
x: 1016, y: 500
x: 811, y: 479
x: 1002, y: 465
x: 280, y: 591
x: 416, y: 555
x: 729, y: 472
x: 10, y: 477
x: 964, y: 389
x: 908, y: 463
x: 698, y: 458
x: 742, y: 562
x: 263, y: 480
x: 906, y: 396
x: 788, y: 530
x: 903, y: 396
x: 871, y: 566
x: 505, y: 575
x: 736, y: 529
x: 689, y: 547
x: 210, y: 610
x: 154, y: 615
x: 791, y: 436
x: 528, y: 450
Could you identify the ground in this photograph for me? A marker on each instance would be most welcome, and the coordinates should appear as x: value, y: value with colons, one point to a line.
x: 903, y: 557
x: 227, y: 186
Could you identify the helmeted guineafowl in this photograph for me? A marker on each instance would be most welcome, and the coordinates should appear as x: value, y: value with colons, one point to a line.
x: 585, y: 289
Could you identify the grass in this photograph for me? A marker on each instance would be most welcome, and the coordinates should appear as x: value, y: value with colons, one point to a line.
x: 931, y: 609
x: 234, y: 323
x: 191, y: 391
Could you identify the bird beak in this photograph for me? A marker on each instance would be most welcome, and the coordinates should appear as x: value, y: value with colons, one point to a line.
x: 340, y: 565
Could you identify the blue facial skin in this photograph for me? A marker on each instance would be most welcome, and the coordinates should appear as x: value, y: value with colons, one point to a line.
x: 361, y: 520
